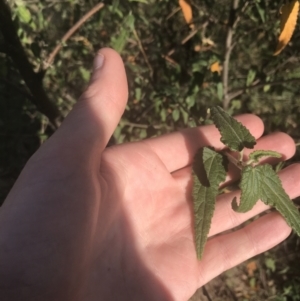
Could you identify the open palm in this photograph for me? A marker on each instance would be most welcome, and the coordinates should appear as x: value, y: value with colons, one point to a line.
x: 85, y: 222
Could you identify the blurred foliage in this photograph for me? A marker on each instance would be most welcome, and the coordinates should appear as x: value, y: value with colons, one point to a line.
x: 168, y: 64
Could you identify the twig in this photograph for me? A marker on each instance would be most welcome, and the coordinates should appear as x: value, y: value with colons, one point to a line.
x: 170, y: 60
x: 143, y: 52
x: 190, y: 35
x: 70, y: 32
x: 233, y: 160
x: 229, y: 47
x: 256, y: 84
x: 175, y: 11
x: 185, y: 39
x: 33, y: 80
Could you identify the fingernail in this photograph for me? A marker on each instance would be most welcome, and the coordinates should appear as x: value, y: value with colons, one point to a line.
x: 98, y: 61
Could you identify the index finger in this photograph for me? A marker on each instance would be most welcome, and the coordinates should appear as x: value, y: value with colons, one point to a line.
x: 176, y: 150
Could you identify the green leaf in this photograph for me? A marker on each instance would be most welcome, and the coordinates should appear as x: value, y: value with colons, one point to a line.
x: 129, y: 21
x: 23, y: 14
x: 270, y: 264
x: 255, y: 156
x: 250, y: 77
x: 175, y: 114
x: 261, y: 12
x: 119, y: 42
x: 262, y: 182
x: 208, y: 173
x: 273, y: 194
x: 220, y: 91
x: 250, y: 189
x: 85, y: 74
x: 234, y: 134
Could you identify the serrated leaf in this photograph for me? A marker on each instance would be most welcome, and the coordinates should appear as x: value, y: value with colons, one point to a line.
x: 250, y: 189
x: 208, y: 173
x: 187, y: 12
x: 262, y: 182
x: 258, y: 154
x: 273, y: 194
x: 288, y: 21
x: 233, y: 133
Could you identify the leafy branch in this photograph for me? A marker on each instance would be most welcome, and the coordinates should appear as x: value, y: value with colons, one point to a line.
x: 258, y: 182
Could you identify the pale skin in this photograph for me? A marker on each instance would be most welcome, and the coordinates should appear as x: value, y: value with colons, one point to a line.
x: 86, y: 222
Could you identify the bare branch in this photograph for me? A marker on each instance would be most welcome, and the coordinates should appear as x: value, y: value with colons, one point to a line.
x: 188, y: 37
x: 70, y: 32
x: 33, y: 80
x: 256, y: 85
x: 229, y: 47
x: 175, y: 11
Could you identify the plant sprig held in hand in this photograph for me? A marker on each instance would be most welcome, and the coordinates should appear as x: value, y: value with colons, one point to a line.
x: 258, y: 182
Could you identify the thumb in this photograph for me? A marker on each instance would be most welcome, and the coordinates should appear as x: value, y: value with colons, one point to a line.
x: 98, y: 111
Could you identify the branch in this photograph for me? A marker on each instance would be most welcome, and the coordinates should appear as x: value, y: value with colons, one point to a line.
x: 229, y: 47
x: 70, y: 32
x: 175, y: 11
x: 256, y: 84
x: 186, y: 39
x: 19, y: 89
x: 33, y: 80
x: 143, y: 52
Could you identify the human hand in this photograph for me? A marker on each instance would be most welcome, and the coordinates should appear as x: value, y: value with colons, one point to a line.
x: 85, y: 222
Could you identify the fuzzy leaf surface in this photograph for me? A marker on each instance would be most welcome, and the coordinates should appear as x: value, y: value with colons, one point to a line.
x: 258, y: 154
x: 208, y: 173
x: 250, y: 189
x: 234, y: 134
x: 273, y: 194
x: 262, y: 182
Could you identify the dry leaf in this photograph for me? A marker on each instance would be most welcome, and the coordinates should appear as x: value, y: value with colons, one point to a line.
x: 197, y: 48
x: 187, y: 12
x: 215, y: 67
x: 251, y: 268
x: 208, y: 41
x: 288, y: 21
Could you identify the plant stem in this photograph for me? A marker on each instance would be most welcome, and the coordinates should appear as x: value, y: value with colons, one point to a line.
x: 233, y: 160
x: 70, y: 32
